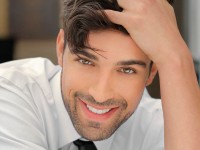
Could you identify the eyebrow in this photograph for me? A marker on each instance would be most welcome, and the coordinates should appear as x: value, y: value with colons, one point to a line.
x: 131, y: 62
x: 87, y: 54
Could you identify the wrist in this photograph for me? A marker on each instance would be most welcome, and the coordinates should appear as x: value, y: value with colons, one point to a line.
x: 175, y: 58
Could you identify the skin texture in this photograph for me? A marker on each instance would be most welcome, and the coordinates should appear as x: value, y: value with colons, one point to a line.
x: 152, y: 25
x: 114, y: 78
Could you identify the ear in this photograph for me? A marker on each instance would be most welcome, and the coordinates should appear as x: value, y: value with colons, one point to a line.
x: 60, y: 46
x: 152, y: 74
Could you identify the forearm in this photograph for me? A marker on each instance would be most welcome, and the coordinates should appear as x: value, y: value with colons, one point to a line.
x: 181, y: 102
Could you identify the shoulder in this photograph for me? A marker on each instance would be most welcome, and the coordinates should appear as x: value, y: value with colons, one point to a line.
x: 28, y: 81
x: 26, y: 102
x: 151, y: 123
x: 21, y: 74
x: 28, y: 67
x: 149, y: 104
x: 149, y: 112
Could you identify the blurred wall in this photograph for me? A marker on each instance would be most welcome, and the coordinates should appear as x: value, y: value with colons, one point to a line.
x: 34, y: 19
x: 192, y: 26
x: 4, y: 19
x: 34, y: 26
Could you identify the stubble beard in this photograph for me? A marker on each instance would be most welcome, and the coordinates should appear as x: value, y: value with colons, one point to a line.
x: 99, y: 132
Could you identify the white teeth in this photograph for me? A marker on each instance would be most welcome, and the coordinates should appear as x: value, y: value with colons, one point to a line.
x: 97, y: 111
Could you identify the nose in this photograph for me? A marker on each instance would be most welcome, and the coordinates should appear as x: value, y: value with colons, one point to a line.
x: 102, y: 88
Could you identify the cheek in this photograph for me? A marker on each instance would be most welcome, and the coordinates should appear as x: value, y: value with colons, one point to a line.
x: 134, y: 97
x: 132, y: 91
x: 69, y: 81
x: 73, y: 79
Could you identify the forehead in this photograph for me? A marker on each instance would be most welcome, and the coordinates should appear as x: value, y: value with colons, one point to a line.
x: 115, y: 45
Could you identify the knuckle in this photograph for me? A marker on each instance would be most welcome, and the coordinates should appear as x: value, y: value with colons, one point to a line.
x: 152, y: 1
x: 144, y: 5
x: 141, y: 7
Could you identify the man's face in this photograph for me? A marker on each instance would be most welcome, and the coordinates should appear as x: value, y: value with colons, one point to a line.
x: 101, y: 89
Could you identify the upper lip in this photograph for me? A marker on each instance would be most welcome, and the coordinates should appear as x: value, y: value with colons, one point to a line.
x: 97, y: 106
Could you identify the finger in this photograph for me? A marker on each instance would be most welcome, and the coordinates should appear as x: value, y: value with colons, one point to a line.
x: 125, y: 3
x: 116, y: 17
x: 121, y: 3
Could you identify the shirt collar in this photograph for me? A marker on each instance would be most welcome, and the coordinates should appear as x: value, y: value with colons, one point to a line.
x: 145, y: 95
x: 66, y: 130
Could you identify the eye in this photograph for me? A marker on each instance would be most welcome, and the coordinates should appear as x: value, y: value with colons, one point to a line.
x: 127, y: 70
x: 85, y: 61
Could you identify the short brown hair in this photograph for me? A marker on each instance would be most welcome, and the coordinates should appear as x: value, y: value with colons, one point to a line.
x: 82, y: 16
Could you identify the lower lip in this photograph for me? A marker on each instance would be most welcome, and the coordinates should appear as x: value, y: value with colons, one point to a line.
x: 97, y: 117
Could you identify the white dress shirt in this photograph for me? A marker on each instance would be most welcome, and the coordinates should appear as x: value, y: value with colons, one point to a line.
x: 33, y: 116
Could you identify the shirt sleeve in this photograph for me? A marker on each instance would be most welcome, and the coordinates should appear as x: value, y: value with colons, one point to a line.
x: 20, y: 124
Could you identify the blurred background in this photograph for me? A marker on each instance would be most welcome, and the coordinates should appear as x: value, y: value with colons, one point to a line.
x: 29, y: 29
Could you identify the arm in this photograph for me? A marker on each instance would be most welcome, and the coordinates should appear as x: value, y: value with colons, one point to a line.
x: 152, y: 25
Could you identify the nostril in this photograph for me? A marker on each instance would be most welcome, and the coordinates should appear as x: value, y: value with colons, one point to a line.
x: 101, y: 95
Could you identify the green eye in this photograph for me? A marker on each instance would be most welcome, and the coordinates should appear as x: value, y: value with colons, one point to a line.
x: 127, y: 70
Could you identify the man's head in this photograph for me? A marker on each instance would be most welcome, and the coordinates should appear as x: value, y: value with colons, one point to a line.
x: 104, y: 72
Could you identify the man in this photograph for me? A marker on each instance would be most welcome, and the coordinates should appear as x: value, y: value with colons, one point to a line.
x: 97, y: 93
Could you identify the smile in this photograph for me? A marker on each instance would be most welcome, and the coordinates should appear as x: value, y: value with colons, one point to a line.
x: 97, y: 111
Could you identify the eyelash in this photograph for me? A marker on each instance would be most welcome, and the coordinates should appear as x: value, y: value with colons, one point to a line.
x: 127, y: 70
x: 84, y: 61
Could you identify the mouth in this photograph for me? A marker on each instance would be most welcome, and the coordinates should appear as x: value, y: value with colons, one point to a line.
x: 97, y: 113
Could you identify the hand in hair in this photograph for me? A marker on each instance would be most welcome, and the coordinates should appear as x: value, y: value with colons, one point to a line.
x: 149, y: 21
